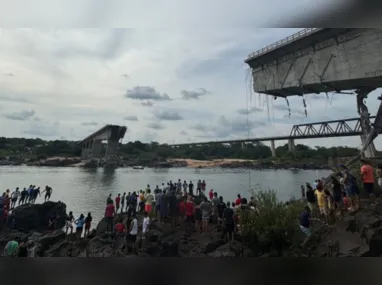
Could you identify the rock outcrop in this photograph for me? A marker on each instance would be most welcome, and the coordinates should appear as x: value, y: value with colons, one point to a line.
x: 57, y: 162
x: 35, y: 217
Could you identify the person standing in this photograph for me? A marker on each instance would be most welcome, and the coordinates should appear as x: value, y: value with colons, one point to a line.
x: 149, y: 202
x: 306, y: 222
x: 350, y: 187
x: 123, y: 202
x: 109, y: 215
x: 190, y: 189
x: 185, y: 187
x: 117, y: 202
x: 23, y: 196
x: 14, y: 196
x: 206, y: 208
x: 48, y: 192
x: 145, y: 225
x: 69, y: 223
x: 311, y: 199
x: 133, y: 231
x: 88, y: 222
x: 229, y: 222
x: 379, y: 175
x: 302, y: 193
x: 79, y: 226
x: 367, y: 175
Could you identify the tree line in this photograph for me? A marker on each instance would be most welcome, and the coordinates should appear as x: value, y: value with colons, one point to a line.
x: 16, y: 147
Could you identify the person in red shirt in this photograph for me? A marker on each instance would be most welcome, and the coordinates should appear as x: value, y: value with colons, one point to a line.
x: 238, y: 200
x: 211, y: 194
x: 367, y: 174
x: 109, y: 215
x: 182, y: 210
x: 117, y: 202
x: 189, y: 211
x: 120, y: 227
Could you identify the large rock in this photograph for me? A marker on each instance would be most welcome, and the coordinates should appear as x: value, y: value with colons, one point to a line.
x: 35, y: 217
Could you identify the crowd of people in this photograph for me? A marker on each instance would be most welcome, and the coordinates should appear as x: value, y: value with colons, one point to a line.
x: 177, y: 205
x: 327, y: 202
x: 9, y: 200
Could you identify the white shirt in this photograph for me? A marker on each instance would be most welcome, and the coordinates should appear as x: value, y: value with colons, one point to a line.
x: 162, y: 187
x: 15, y: 194
x: 134, y: 228
x: 146, y: 223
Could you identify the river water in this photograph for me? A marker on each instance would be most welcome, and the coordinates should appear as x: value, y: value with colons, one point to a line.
x: 85, y: 190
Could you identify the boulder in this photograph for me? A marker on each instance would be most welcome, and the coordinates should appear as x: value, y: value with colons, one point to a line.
x: 35, y: 217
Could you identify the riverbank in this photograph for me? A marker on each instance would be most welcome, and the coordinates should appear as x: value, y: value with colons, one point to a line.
x: 170, y: 163
x: 356, y: 235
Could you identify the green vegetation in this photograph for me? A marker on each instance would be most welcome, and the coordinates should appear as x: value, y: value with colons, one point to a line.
x: 38, y: 148
x: 275, y: 227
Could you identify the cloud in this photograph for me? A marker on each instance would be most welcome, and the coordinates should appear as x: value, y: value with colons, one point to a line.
x: 251, y: 110
x: 92, y: 123
x: 20, y: 116
x: 155, y: 126
x: 183, y: 133
x: 77, y: 75
x: 147, y: 103
x: 193, y: 94
x: 146, y: 93
x: 168, y: 116
x: 14, y: 99
x: 131, y: 118
x: 8, y: 74
x: 125, y: 75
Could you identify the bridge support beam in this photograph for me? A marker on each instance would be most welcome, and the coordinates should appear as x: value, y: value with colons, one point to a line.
x: 273, y: 148
x: 111, y: 149
x: 96, y: 149
x: 242, y: 145
x: 86, y: 150
x: 291, y: 146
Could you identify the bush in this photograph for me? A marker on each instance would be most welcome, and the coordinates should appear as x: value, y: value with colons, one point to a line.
x: 275, y: 225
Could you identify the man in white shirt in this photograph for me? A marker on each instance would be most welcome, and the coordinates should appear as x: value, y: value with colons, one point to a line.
x: 133, y: 231
x: 146, y: 225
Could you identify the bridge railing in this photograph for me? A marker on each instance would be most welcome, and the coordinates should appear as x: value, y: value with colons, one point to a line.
x: 281, y: 42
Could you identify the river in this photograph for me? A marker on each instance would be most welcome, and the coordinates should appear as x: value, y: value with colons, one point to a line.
x: 85, y: 190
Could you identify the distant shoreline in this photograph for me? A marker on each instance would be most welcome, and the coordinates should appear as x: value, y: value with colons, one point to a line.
x: 177, y: 163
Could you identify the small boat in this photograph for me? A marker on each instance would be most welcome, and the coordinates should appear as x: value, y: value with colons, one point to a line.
x: 138, y: 167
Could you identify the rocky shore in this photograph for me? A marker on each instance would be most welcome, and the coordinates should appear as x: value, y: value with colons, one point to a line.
x: 357, y: 235
x: 120, y: 162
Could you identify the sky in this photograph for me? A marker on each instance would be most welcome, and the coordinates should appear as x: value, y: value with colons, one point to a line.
x: 171, y: 77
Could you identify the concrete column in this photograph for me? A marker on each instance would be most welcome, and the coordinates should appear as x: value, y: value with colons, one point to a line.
x: 89, y: 149
x: 243, y: 145
x: 111, y: 149
x: 370, y: 150
x: 96, y: 149
x: 273, y: 148
x: 83, y: 151
x: 291, y: 147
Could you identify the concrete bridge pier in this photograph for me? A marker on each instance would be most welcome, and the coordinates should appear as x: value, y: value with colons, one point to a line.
x: 96, y: 149
x: 111, y: 149
x: 291, y: 146
x: 273, y: 148
x: 242, y: 145
x: 85, y: 150
x: 370, y: 151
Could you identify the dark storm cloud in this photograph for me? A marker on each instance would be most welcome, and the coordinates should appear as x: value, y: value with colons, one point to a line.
x: 131, y: 118
x: 245, y: 111
x: 20, y: 116
x: 146, y: 93
x: 89, y: 124
x: 193, y: 94
x: 155, y: 126
x: 168, y: 116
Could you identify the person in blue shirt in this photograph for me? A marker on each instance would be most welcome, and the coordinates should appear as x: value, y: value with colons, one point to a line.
x: 79, y: 226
